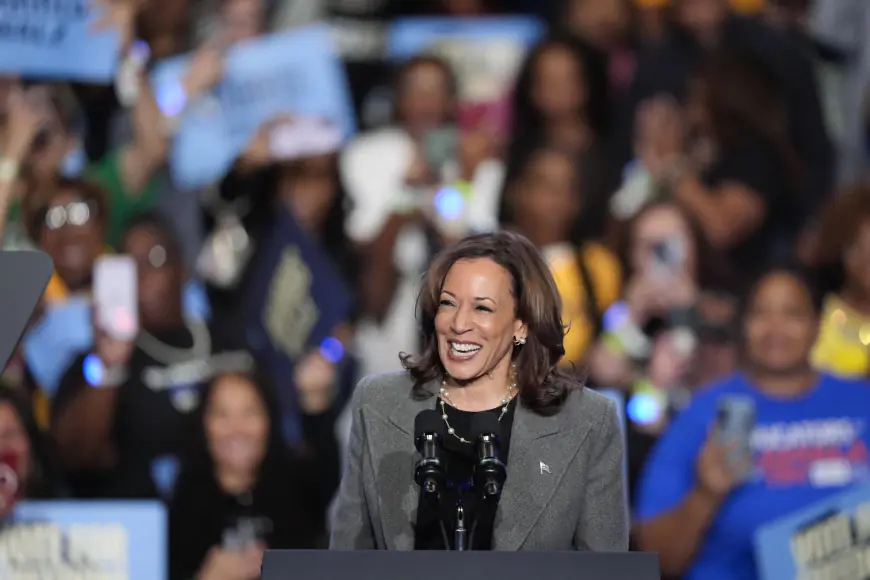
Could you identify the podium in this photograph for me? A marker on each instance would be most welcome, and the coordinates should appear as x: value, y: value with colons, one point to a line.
x: 386, y: 565
x: 25, y: 275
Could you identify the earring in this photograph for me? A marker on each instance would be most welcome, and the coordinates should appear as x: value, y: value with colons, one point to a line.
x: 520, y: 341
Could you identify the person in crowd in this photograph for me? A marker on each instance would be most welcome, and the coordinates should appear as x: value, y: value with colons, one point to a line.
x: 546, y: 202
x: 25, y: 451
x: 728, y: 161
x: 241, y: 490
x: 649, y: 345
x: 562, y: 97
x: 606, y: 26
x: 122, y: 410
x: 843, y: 254
x: 413, y: 187
x: 43, y: 143
x: 703, y: 25
x: 493, y: 340
x: 68, y: 222
x: 722, y: 469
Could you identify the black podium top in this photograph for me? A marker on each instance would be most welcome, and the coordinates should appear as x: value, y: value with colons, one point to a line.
x: 384, y: 565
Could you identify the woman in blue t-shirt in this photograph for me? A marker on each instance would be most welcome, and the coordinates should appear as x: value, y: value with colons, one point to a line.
x: 701, y: 499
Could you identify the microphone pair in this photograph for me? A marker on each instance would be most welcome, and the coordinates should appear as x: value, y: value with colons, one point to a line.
x: 489, y: 471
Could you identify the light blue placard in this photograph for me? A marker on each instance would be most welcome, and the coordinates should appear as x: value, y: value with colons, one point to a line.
x: 56, y: 40
x: 64, y: 331
x: 127, y: 538
x: 296, y: 73
x: 777, y: 543
x: 411, y: 36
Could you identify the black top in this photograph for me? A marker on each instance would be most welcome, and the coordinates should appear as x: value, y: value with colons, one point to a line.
x: 152, y: 419
x: 459, y: 460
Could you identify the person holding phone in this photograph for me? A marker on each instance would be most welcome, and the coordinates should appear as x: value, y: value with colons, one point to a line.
x: 727, y: 465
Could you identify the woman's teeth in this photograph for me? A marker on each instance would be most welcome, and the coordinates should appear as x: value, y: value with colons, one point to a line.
x: 463, y: 350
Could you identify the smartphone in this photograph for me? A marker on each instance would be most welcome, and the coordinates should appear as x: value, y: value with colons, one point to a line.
x: 116, y: 299
x: 735, y: 422
x: 440, y: 146
x: 9, y: 481
x: 668, y: 255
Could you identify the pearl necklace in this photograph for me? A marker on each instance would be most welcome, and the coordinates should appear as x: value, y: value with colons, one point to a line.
x: 505, y: 403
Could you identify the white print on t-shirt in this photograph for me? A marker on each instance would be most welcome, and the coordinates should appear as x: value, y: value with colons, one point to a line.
x: 181, y: 376
x: 819, y: 453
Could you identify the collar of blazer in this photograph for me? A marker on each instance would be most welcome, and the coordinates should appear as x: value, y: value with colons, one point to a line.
x: 542, y: 449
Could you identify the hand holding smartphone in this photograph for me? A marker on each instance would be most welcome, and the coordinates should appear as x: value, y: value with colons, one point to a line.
x: 735, y: 422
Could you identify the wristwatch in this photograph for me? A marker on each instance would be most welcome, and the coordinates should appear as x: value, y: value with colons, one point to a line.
x: 8, y: 170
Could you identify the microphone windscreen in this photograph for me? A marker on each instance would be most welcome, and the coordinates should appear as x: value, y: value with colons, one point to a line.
x: 428, y: 421
x: 484, y: 424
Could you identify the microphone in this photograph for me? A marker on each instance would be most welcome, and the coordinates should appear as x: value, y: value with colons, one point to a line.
x: 428, y: 434
x: 489, y: 472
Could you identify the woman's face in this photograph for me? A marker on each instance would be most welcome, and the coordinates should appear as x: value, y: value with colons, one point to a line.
x: 857, y: 260
x: 159, y: 274
x: 558, y: 85
x: 780, y: 325
x: 309, y: 189
x: 546, y: 198
x: 601, y: 22
x: 425, y: 98
x: 72, y: 235
x: 658, y: 228
x: 14, y: 442
x: 236, y: 425
x: 476, y: 320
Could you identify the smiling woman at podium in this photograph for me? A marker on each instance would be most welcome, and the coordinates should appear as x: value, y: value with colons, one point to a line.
x: 492, y: 342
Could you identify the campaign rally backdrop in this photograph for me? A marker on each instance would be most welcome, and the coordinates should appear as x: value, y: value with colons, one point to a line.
x: 123, y: 540
x: 829, y: 540
x: 56, y: 40
x: 485, y: 54
x: 295, y: 73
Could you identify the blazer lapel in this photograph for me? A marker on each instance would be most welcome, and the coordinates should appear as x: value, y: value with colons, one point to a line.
x: 393, y: 454
x: 537, y: 461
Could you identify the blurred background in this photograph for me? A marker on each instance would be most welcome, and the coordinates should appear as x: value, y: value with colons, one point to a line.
x: 240, y: 197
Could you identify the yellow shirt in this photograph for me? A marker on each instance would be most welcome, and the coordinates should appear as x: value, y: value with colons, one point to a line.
x: 606, y: 279
x: 843, y: 346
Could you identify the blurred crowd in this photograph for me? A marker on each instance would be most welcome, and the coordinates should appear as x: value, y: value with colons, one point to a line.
x: 690, y: 169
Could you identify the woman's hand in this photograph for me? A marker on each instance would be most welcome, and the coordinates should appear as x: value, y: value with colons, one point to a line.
x: 716, y: 477
x: 223, y: 564
x: 24, y: 122
x: 314, y: 377
x: 120, y: 15
x: 205, y: 70
x: 113, y: 352
x: 258, y: 154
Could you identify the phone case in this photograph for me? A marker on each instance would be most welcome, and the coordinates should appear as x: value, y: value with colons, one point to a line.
x: 115, y: 291
x: 735, y: 421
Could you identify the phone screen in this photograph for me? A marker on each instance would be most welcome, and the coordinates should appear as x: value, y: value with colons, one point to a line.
x: 735, y: 421
x: 440, y: 146
x: 116, y: 300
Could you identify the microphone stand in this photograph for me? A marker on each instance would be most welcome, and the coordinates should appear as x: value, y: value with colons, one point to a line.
x: 459, y: 533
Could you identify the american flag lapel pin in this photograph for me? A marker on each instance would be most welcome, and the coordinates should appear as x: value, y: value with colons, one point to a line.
x: 544, y: 468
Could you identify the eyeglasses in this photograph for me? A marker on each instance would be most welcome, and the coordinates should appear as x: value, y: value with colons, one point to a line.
x: 76, y: 213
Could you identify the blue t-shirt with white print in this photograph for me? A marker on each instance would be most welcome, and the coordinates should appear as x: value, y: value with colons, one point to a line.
x: 804, y: 450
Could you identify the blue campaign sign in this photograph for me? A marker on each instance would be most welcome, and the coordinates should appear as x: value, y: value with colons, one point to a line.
x: 411, y: 36
x: 71, y: 539
x: 56, y: 40
x: 296, y: 73
x: 297, y: 298
x: 830, y: 539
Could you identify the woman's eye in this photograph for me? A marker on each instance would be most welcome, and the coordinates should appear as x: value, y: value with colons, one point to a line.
x: 445, y: 303
x: 484, y: 309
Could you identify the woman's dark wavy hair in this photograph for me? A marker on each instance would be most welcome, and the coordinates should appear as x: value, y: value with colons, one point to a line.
x: 542, y: 387
x: 43, y: 481
x: 197, y: 478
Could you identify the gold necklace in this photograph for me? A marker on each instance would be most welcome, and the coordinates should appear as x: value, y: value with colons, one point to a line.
x: 505, y: 403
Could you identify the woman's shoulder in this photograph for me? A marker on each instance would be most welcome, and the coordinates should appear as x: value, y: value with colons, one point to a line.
x: 585, y: 406
x: 383, y: 388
